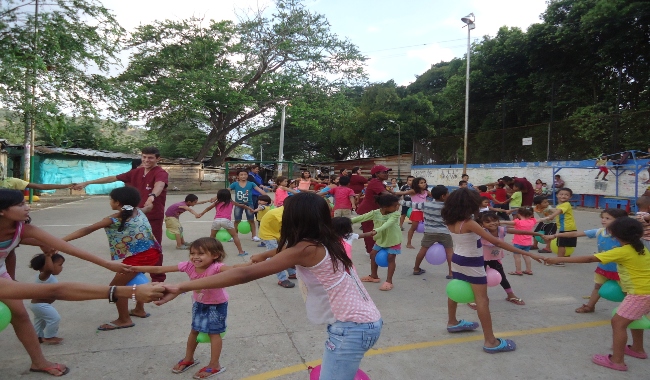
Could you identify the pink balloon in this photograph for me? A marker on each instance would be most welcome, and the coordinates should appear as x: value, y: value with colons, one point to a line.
x: 420, y: 228
x: 493, y: 277
x: 436, y: 254
x: 315, y: 374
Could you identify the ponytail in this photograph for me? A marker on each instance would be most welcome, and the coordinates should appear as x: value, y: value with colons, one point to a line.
x: 125, y: 214
x: 129, y: 198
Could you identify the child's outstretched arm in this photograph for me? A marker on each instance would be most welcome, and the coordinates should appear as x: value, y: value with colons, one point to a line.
x: 393, y: 219
x: 207, y: 209
x: 154, y: 269
x: 506, y: 222
x: 523, y: 232
x: 362, y: 218
x: 229, y: 267
x: 474, y: 227
x: 88, y: 230
x: 367, y: 234
x: 571, y: 259
x: 552, y: 216
x: 565, y: 235
x: 258, y: 258
x: 190, y: 210
x: 242, y: 206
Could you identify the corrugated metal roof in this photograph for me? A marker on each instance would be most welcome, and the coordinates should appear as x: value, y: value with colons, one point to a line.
x: 84, y: 152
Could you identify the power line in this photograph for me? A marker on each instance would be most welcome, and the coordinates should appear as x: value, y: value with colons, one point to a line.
x: 405, y: 47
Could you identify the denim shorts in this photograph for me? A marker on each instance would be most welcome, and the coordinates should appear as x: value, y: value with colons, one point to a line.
x: 346, y: 344
x: 238, y: 214
x: 522, y: 247
x: 394, y: 250
x: 209, y: 318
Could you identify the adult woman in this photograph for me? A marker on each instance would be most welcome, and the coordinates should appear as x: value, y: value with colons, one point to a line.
x: 375, y: 187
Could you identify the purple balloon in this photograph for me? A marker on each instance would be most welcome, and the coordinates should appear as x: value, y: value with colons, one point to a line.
x: 420, y: 228
x: 493, y: 277
x: 315, y: 374
x: 436, y: 254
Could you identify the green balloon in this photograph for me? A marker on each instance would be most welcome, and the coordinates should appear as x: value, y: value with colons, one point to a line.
x: 205, y: 337
x: 408, y: 212
x: 539, y: 239
x: 5, y: 316
x: 223, y: 235
x: 639, y: 324
x: 460, y: 291
x: 611, y: 291
x: 272, y: 207
x: 170, y: 235
x: 244, y: 227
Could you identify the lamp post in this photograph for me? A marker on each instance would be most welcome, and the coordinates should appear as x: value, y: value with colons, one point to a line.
x: 281, y: 153
x: 469, y: 22
x: 262, y: 151
x: 399, y: 150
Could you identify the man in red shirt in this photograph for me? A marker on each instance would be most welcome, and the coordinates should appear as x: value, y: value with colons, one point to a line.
x: 375, y: 187
x: 151, y: 181
x: 357, y: 181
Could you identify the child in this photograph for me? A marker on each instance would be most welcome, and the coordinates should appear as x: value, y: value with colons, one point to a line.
x: 342, y: 226
x: 282, y: 191
x: 501, y: 199
x: 131, y: 240
x: 524, y: 221
x: 643, y: 216
x: 387, y: 235
x: 467, y: 264
x: 435, y: 230
x: 243, y: 195
x: 543, y: 209
x: 633, y: 261
x: 601, y: 164
x: 14, y: 230
x: 222, y: 217
x: 406, y: 198
x: 564, y: 219
x: 605, y: 242
x: 485, y: 206
x: 172, y: 222
x: 335, y: 294
x: 516, y: 198
x: 483, y: 191
x: 210, y: 307
x: 462, y: 184
x: 493, y: 255
x: 270, y: 230
x: 344, y: 199
x: 264, y: 202
x: 418, y: 194
x: 46, y: 318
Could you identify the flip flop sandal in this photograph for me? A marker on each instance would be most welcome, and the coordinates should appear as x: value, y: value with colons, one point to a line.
x: 211, y: 371
x: 585, y: 309
x: 516, y: 273
x: 369, y: 279
x: 505, y: 345
x: 419, y: 272
x: 114, y: 327
x: 634, y: 354
x: 472, y: 305
x: 516, y: 301
x: 530, y: 273
x: 386, y: 286
x: 187, y: 365
x: 606, y: 361
x: 449, y: 277
x: 56, y: 366
x: 132, y: 314
x: 462, y: 325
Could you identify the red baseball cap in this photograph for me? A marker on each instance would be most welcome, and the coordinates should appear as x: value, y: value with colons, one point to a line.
x: 379, y: 168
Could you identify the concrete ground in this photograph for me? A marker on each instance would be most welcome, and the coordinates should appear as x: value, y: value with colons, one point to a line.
x: 269, y: 335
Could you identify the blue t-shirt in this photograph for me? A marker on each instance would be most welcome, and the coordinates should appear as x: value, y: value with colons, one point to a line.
x: 605, y: 242
x: 243, y: 194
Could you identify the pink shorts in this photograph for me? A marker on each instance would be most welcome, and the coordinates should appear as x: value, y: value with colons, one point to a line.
x: 6, y: 275
x: 634, y: 306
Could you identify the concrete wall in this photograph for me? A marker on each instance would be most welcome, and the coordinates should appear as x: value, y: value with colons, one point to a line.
x: 62, y: 170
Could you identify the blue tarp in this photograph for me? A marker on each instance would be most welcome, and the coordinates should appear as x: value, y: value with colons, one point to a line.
x: 73, y: 170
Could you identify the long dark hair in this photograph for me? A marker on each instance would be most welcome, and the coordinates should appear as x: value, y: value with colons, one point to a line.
x: 10, y: 198
x: 129, y: 198
x: 224, y: 196
x: 342, y: 226
x: 306, y: 217
x: 415, y: 185
x: 460, y: 205
x: 628, y: 230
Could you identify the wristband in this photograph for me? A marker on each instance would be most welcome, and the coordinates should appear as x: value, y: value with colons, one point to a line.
x: 133, y: 294
x: 111, y: 294
x: 152, y: 195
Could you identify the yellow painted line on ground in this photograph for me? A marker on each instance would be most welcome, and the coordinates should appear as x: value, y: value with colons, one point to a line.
x: 436, y: 343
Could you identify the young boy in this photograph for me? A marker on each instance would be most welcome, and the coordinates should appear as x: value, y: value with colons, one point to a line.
x: 462, y: 184
x: 243, y: 194
x: 270, y: 227
x: 435, y: 230
x: 263, y: 206
x: 543, y: 209
x: 563, y: 215
x: 643, y: 216
x: 344, y: 199
x: 405, y: 209
x: 172, y: 221
x: 601, y: 164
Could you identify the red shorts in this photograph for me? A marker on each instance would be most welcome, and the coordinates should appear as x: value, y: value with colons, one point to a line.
x: 603, y: 169
x: 416, y: 216
x: 144, y: 259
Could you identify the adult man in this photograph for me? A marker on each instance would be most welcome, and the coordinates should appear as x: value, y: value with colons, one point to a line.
x: 357, y: 181
x: 527, y: 189
x: 151, y: 182
x: 375, y: 187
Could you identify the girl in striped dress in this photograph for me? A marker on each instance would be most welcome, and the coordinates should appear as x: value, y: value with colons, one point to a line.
x: 467, y: 264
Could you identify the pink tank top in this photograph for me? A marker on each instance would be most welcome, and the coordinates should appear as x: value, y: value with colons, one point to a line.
x: 8, y: 247
x: 304, y: 184
x: 280, y: 196
x: 336, y: 295
x: 419, y: 198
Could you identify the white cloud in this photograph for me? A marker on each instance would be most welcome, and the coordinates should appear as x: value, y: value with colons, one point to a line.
x: 373, y: 29
x: 431, y: 54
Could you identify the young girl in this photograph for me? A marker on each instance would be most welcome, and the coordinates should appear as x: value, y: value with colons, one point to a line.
x: 492, y: 255
x: 343, y: 227
x: 46, y: 318
x: 633, y: 261
x: 523, y: 221
x: 282, y: 191
x: 605, y: 242
x: 305, y: 181
x: 386, y: 234
x: 538, y: 186
x: 467, y: 264
x: 131, y: 240
x: 418, y: 194
x: 563, y: 215
x: 14, y: 212
x: 335, y: 294
x: 223, y: 217
x: 210, y: 307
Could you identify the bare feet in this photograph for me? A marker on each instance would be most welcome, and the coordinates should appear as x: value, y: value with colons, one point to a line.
x: 409, y: 245
x: 51, y: 341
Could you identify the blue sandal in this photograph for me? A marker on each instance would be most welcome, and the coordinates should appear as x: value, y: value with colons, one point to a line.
x: 462, y: 325
x: 505, y: 345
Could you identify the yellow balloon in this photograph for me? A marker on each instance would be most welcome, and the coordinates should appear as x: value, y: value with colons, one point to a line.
x: 35, y: 198
x: 568, y: 250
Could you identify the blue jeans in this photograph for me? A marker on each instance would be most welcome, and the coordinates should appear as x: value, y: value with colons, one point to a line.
x: 282, y: 276
x: 347, y: 343
x: 238, y: 212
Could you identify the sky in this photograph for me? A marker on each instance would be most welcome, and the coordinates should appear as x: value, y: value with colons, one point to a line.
x: 402, y: 39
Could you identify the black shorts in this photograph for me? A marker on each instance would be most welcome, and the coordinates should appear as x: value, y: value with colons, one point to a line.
x: 547, y: 229
x: 567, y: 242
x: 405, y: 210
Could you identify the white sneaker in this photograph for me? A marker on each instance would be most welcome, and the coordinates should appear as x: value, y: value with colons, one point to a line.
x: 231, y: 240
x: 255, y: 238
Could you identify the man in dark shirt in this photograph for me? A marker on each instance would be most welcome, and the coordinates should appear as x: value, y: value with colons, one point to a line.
x: 527, y: 189
x: 357, y: 181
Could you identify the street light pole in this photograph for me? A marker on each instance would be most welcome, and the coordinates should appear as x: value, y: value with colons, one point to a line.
x: 262, y: 151
x: 281, y: 153
x: 469, y: 22
x: 399, y: 150
x: 30, y: 85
